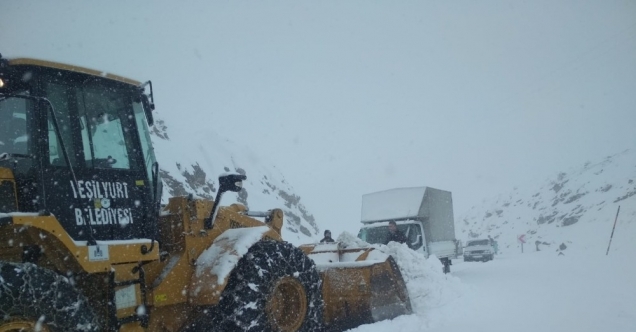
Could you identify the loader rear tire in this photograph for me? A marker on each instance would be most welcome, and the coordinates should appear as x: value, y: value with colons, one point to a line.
x: 37, y: 299
x: 274, y: 287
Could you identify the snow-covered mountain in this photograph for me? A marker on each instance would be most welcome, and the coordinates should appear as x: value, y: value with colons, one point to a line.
x: 191, y: 163
x: 572, y: 210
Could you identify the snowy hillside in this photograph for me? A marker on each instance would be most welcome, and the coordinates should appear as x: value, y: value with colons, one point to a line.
x: 573, y: 210
x: 192, y: 162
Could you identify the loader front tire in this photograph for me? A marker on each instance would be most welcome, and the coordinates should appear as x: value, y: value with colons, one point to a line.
x: 37, y: 299
x: 274, y: 287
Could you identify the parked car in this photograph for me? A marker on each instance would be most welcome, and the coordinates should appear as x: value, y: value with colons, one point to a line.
x: 479, y: 250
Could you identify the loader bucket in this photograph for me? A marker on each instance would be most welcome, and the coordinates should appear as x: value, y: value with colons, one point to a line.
x: 359, y: 285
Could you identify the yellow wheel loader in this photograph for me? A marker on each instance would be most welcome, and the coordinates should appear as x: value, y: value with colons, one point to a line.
x: 85, y: 244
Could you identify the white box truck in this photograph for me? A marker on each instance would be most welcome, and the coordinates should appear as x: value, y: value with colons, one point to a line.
x: 423, y: 214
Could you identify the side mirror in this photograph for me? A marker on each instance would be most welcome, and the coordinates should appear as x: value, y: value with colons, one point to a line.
x: 148, y: 107
x: 231, y: 182
x: 148, y: 101
x: 418, y: 241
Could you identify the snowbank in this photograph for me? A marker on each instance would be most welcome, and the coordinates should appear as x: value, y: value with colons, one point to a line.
x: 427, y: 285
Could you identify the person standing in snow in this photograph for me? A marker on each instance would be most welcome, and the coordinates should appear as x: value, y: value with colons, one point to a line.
x: 493, y: 244
x: 395, y: 235
x: 327, y: 238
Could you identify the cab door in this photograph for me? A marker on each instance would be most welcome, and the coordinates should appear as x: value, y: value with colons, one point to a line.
x: 105, y: 190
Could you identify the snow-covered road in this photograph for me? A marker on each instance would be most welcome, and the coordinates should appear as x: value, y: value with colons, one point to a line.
x: 537, y: 291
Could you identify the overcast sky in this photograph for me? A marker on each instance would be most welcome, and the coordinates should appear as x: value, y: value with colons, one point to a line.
x: 350, y: 97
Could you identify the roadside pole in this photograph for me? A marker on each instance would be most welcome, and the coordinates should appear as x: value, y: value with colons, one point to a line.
x: 522, y: 239
x: 613, y: 228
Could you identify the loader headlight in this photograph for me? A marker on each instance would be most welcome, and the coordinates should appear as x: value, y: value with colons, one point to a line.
x: 1, y: 83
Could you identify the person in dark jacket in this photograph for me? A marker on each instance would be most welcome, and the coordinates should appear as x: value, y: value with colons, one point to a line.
x: 395, y: 235
x: 327, y: 238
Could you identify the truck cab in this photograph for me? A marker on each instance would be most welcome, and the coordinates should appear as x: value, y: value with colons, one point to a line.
x: 378, y: 233
x: 423, y: 214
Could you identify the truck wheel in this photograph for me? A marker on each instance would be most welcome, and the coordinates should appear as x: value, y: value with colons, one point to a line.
x: 37, y: 299
x: 274, y: 287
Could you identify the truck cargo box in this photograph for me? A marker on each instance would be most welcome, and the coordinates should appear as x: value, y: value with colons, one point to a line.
x: 433, y: 207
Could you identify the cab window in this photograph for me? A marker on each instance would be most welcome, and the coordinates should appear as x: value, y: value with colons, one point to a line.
x: 102, y: 114
x: 94, y: 126
x: 13, y: 126
x: 144, y: 136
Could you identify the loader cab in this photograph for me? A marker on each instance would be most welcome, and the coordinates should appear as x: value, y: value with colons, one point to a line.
x: 77, y: 142
x: 377, y: 233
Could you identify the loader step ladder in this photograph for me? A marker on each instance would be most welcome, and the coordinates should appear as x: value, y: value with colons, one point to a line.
x: 141, y: 316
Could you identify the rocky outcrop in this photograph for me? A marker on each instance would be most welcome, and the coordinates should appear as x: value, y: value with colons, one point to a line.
x: 191, y: 164
x: 558, y: 211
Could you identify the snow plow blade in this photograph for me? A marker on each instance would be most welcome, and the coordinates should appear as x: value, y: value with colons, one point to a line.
x: 359, y: 285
